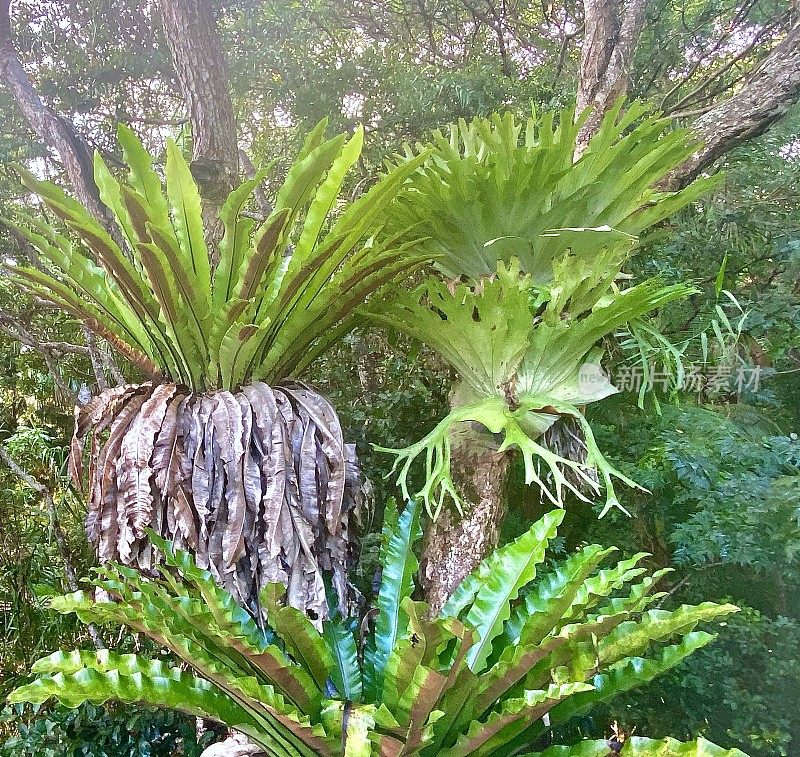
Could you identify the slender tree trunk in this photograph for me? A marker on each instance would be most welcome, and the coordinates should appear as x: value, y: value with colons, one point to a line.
x: 191, y: 35
x: 611, y: 33
x: 456, y: 542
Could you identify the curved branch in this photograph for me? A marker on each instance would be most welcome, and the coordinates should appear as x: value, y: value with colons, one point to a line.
x: 55, y: 132
x: 49, y: 351
x: 765, y: 97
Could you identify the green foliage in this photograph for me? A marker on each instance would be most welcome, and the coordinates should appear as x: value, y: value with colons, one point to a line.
x: 541, y: 270
x: 282, y: 292
x: 724, y: 492
x: 722, y: 509
x: 496, y: 189
x: 91, y: 731
x: 30, y: 563
x: 641, y: 747
x: 738, y: 692
x: 504, y: 651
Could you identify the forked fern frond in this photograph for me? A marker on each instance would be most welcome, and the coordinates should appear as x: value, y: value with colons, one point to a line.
x: 532, y: 243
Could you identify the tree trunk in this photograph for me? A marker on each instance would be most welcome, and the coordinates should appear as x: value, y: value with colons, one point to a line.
x: 767, y: 94
x: 191, y: 35
x: 456, y: 543
x: 56, y: 133
x: 611, y: 34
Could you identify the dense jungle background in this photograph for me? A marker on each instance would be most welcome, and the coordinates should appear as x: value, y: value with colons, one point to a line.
x: 721, y: 458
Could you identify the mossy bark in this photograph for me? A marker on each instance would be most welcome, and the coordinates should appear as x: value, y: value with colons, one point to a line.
x: 456, y: 542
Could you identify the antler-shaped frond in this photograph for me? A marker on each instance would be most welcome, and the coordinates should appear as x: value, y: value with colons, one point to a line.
x: 493, y: 188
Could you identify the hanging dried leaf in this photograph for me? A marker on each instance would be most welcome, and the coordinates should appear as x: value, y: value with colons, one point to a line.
x: 258, y: 483
x: 134, y: 486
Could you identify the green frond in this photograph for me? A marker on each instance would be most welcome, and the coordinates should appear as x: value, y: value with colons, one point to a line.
x: 484, y: 600
x: 513, y: 716
x: 628, y: 674
x: 493, y: 188
x: 172, y: 688
x: 346, y: 674
x: 279, y: 294
x: 398, y: 566
x: 510, y: 647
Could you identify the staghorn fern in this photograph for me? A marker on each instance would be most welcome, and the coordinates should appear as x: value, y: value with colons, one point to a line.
x: 521, y: 365
x: 494, y: 189
x: 255, y: 479
x: 535, y: 242
x: 508, y: 648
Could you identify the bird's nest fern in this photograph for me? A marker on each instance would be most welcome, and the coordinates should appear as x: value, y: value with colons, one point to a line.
x: 283, y: 290
x: 256, y: 479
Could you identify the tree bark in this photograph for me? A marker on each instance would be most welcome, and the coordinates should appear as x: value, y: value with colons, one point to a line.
x: 612, y: 31
x: 765, y: 97
x: 192, y: 38
x: 55, y: 132
x: 456, y: 543
x: 611, y: 34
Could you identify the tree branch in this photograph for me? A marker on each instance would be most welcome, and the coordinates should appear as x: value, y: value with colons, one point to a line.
x: 25, y: 336
x: 700, y: 91
x: 97, y: 360
x: 55, y: 132
x: 611, y: 33
x: 48, y: 350
x: 765, y: 97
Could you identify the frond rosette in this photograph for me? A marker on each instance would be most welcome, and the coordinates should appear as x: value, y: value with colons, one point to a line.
x: 283, y: 288
x: 510, y: 647
x: 257, y: 481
